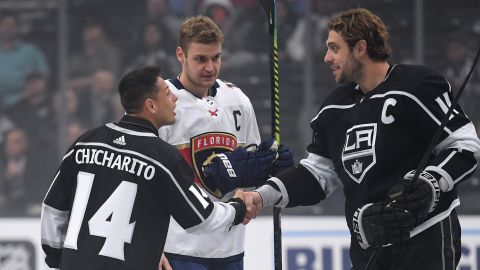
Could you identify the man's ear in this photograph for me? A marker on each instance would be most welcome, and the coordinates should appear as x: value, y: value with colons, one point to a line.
x: 180, y: 55
x: 360, y: 48
x: 150, y: 105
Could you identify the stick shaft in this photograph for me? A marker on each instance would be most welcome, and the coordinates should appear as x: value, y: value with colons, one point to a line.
x: 270, y: 9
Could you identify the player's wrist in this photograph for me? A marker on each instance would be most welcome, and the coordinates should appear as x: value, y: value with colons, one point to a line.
x: 240, y: 210
x: 445, y: 181
x: 270, y: 196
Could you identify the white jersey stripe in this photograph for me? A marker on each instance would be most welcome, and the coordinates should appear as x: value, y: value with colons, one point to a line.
x: 56, y: 175
x: 332, y: 107
x: 130, y: 132
x: 442, y: 250
x: 435, y: 219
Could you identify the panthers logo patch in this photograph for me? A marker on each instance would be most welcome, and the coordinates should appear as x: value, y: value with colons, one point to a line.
x: 204, y: 146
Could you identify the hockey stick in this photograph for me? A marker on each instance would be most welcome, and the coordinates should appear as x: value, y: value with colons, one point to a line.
x: 433, y: 142
x: 270, y: 8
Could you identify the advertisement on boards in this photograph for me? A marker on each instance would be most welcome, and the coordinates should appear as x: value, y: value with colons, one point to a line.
x: 308, y: 243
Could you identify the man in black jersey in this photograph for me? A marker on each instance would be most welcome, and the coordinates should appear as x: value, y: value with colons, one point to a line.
x: 370, y: 134
x: 110, y: 203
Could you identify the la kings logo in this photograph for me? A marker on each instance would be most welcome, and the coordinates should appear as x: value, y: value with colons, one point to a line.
x: 358, y: 155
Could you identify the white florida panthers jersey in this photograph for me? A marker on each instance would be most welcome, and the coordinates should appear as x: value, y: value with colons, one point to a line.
x: 219, y: 122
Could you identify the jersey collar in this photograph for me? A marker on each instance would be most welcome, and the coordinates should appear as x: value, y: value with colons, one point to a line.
x: 212, y: 92
x: 137, y: 124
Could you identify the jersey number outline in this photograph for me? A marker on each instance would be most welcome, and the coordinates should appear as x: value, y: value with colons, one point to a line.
x: 237, y: 113
x: 111, y: 220
x: 445, y: 105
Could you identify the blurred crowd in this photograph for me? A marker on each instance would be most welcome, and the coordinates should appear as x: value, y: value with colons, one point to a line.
x: 108, y: 38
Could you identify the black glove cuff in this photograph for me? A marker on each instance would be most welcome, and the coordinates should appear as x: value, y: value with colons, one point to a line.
x: 431, y: 179
x: 240, y: 210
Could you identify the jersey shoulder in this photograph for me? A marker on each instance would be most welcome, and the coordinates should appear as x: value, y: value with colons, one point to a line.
x: 231, y: 92
x: 228, y: 87
x: 228, y: 84
x: 416, y: 80
x: 343, y: 95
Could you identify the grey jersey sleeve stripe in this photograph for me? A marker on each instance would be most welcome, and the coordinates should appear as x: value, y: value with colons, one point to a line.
x: 54, y: 226
x: 323, y: 170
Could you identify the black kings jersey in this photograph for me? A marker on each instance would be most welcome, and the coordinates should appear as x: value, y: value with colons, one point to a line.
x: 373, y: 140
x: 110, y: 203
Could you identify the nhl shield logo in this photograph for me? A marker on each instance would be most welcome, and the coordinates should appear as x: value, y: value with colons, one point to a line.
x: 358, y: 155
x: 204, y: 146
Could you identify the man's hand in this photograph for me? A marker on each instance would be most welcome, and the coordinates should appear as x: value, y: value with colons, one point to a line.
x: 419, y: 197
x: 240, y: 168
x: 251, y: 204
x: 379, y: 224
x: 254, y: 203
x: 239, y: 194
x: 284, y: 157
x: 164, y: 264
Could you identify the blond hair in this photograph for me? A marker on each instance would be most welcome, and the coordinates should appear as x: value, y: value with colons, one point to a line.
x: 199, y: 29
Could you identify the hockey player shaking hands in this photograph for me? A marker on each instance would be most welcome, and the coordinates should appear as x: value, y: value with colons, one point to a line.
x: 217, y: 134
x: 370, y: 133
x: 110, y: 203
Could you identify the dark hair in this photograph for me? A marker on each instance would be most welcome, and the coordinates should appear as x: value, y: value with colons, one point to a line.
x: 359, y: 23
x: 136, y: 86
x: 199, y: 29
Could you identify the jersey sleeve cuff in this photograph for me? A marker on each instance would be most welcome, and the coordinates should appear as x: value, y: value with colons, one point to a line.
x: 273, y: 193
x: 445, y: 181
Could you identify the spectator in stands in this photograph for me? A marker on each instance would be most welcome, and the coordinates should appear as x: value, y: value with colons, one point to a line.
x: 18, y: 58
x: 33, y: 113
x: 5, y: 124
x: 21, y: 180
x: 97, y: 54
x: 97, y: 101
x: 241, y: 34
x: 154, y: 52
x: 74, y: 130
x: 459, y: 62
x: 71, y: 107
x: 158, y: 12
x: 321, y: 12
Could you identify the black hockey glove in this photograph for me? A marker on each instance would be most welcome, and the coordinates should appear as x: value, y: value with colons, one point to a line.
x: 379, y: 224
x: 240, y: 168
x: 240, y: 210
x: 284, y: 158
x: 419, y: 197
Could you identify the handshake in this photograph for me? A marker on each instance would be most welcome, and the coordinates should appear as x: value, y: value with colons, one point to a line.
x: 247, y: 204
